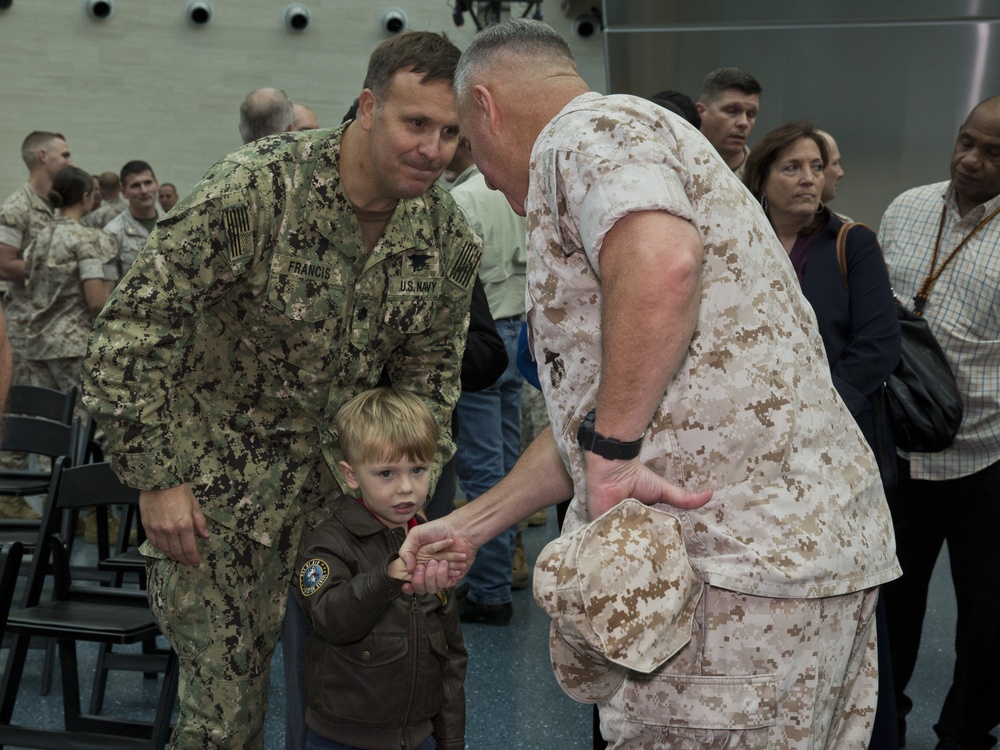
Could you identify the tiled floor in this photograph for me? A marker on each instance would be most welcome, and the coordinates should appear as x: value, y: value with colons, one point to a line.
x: 513, y: 699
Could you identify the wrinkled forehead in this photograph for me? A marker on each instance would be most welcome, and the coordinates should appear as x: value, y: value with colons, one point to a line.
x: 983, y: 124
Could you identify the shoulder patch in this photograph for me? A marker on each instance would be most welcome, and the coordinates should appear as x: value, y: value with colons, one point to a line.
x: 465, y: 265
x: 312, y: 576
x: 239, y: 232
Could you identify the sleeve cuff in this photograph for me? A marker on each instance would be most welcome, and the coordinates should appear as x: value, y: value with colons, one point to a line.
x: 147, y: 471
x: 91, y: 268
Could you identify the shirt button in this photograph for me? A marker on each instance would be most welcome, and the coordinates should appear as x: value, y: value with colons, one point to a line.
x: 366, y: 655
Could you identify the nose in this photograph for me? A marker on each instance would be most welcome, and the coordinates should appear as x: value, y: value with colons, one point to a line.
x: 430, y: 147
x: 405, y: 486
x: 971, y: 160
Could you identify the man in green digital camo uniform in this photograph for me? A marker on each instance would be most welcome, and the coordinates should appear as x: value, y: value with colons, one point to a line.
x: 302, y: 269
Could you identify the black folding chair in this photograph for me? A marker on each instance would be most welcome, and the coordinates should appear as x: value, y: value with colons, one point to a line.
x: 81, y: 612
x: 10, y: 562
x: 41, y: 437
x: 41, y: 403
x: 38, y: 401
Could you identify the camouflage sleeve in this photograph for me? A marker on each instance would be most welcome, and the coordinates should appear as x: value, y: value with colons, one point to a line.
x: 190, y: 260
x: 13, y: 221
x: 430, y: 363
x: 94, y: 253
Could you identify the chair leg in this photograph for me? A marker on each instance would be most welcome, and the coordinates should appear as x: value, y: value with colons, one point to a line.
x: 106, y: 662
x: 48, y: 667
x: 70, y: 685
x: 100, y: 680
x: 165, y: 706
x: 12, y: 676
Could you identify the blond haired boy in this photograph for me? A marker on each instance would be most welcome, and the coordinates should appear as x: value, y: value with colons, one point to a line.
x: 383, y: 668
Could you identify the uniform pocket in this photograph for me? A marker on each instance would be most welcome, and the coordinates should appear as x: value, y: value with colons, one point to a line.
x: 701, y: 711
x: 409, y: 312
x: 301, y: 289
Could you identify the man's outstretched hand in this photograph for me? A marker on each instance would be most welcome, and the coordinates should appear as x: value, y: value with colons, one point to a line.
x: 436, y: 555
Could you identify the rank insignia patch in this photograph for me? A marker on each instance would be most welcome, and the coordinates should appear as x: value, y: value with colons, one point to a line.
x: 313, y: 576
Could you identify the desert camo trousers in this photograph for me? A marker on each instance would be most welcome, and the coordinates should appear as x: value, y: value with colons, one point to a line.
x: 223, y: 619
x: 758, y: 673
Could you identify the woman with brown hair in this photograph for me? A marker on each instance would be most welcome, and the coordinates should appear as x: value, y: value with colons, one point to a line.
x: 855, y: 311
x: 856, y: 314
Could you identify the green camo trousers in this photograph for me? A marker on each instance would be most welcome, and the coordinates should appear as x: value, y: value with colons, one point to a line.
x: 223, y: 619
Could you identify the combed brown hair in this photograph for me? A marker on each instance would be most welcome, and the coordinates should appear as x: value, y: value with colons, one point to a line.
x: 721, y: 80
x: 425, y: 52
x: 386, y: 424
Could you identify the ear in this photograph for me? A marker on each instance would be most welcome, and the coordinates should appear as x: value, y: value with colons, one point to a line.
x: 486, y: 106
x: 352, y: 480
x: 367, y: 104
x: 702, y: 109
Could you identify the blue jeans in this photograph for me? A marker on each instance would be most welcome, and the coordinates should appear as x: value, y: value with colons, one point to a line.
x: 489, y: 442
x: 318, y: 742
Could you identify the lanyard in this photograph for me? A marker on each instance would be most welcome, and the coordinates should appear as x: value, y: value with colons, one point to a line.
x: 920, y: 300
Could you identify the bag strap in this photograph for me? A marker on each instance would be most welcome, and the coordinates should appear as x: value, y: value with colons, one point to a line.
x: 842, y: 246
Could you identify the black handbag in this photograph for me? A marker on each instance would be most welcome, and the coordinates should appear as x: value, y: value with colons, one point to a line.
x: 923, y: 395
x: 924, y: 403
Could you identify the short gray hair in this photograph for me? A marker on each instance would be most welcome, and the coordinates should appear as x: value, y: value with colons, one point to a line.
x: 263, y: 112
x: 521, y: 36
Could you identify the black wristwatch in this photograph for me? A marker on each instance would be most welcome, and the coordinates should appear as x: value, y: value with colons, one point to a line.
x: 605, y: 447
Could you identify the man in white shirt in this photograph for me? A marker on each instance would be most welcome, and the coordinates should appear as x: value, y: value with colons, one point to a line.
x: 940, y: 244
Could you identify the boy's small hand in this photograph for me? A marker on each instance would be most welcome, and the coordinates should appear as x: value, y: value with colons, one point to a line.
x: 435, y: 551
x: 445, y: 564
x: 397, y: 569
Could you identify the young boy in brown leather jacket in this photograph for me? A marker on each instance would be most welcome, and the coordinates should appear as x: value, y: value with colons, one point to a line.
x: 384, y: 669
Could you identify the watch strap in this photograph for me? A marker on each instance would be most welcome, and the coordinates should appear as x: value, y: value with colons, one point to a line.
x: 605, y: 447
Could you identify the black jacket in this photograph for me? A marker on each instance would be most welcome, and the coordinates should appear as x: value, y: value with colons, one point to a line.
x: 485, y: 356
x: 857, y: 320
x: 382, y: 668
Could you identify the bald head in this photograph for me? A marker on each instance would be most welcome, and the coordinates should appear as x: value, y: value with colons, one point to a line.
x: 305, y: 118
x: 833, y: 173
x: 989, y: 108
x: 975, y: 162
x: 264, y: 112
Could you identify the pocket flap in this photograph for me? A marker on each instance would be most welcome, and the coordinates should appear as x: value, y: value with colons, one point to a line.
x: 703, y: 702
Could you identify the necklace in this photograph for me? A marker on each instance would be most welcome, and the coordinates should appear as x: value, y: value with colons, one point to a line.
x: 920, y: 300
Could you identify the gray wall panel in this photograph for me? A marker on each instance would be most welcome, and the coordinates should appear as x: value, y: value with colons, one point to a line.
x: 893, y: 91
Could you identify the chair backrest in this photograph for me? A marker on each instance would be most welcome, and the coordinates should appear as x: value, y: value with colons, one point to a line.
x: 38, y: 401
x: 90, y: 485
x: 10, y: 563
x: 45, y: 437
